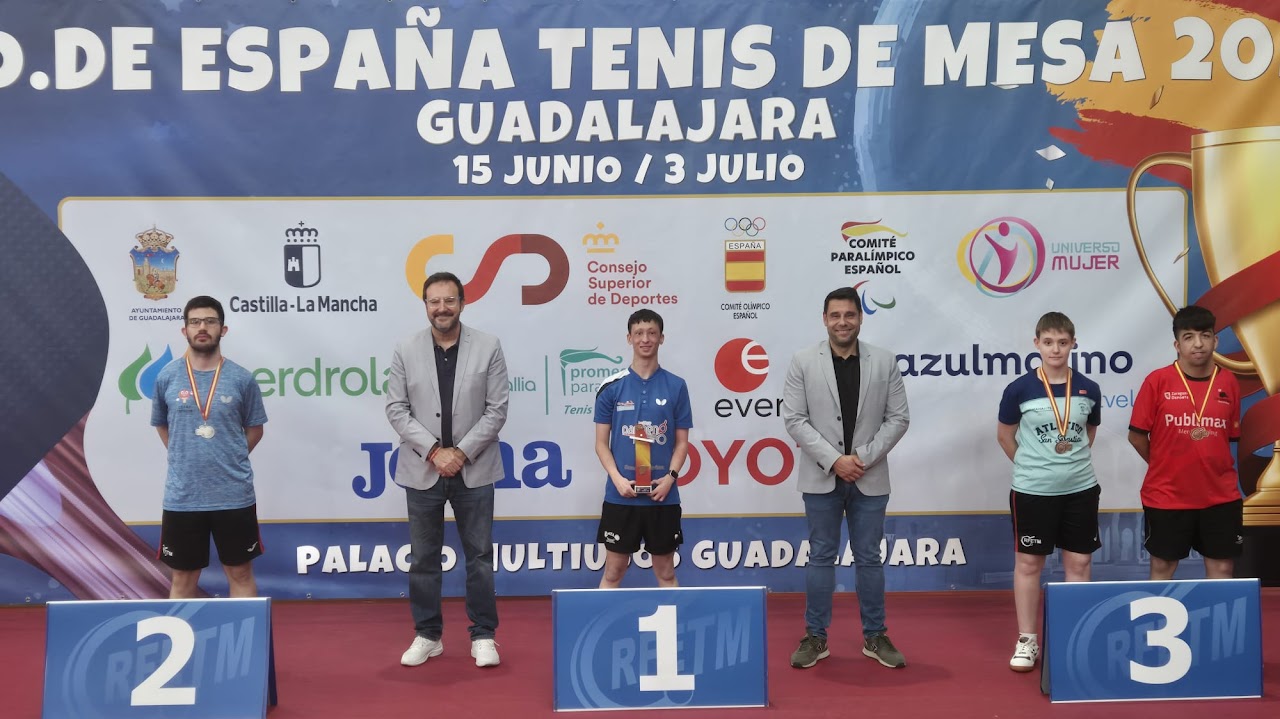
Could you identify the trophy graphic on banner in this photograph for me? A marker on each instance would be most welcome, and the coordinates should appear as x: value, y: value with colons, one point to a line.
x: 644, y: 468
x: 1235, y: 178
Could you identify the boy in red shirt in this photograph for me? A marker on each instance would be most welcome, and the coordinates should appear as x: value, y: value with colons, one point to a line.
x: 1184, y: 420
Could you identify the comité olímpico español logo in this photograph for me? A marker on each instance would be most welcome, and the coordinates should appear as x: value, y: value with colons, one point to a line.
x: 1002, y: 257
x: 155, y: 264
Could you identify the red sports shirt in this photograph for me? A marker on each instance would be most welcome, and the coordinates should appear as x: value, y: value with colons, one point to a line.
x: 1185, y: 473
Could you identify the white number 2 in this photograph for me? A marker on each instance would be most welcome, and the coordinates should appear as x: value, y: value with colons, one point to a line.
x: 1175, y: 614
x: 663, y: 625
x: 152, y: 692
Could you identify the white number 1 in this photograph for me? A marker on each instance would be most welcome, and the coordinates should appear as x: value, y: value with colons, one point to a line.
x: 1175, y: 614
x: 152, y: 692
x: 663, y: 625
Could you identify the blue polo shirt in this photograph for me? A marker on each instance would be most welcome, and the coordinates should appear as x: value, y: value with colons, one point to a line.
x: 1037, y: 468
x: 208, y: 474
x: 661, y: 403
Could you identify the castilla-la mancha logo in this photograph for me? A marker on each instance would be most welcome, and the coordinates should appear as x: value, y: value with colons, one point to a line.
x: 155, y: 264
x: 302, y: 256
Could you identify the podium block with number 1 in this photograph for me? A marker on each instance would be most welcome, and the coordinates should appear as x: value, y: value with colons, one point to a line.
x: 659, y: 648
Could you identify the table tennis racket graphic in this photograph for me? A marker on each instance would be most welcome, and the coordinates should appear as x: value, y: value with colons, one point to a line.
x: 54, y: 325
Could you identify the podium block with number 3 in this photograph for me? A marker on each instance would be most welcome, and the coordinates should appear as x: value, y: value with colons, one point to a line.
x: 659, y: 648
x: 1122, y: 641
x: 189, y: 659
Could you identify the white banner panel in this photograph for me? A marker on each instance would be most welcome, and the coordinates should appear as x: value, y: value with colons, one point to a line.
x: 318, y: 290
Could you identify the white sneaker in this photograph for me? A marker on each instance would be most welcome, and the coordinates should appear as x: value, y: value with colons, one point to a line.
x: 1025, y: 653
x: 486, y: 652
x: 421, y: 650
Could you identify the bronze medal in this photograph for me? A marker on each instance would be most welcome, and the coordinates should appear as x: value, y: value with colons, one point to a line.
x: 1061, y: 419
x: 1199, y: 432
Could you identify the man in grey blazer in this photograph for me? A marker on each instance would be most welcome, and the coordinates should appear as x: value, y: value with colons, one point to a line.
x: 447, y: 399
x: 845, y: 406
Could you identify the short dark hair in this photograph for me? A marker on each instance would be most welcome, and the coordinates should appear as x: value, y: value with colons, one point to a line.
x: 644, y: 315
x: 842, y: 293
x: 1194, y: 318
x: 204, y: 302
x: 444, y: 277
x: 1055, y: 321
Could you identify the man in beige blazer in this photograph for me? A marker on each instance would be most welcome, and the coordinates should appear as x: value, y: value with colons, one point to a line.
x: 447, y: 399
x: 845, y: 406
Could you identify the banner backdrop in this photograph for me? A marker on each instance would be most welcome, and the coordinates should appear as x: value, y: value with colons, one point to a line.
x: 965, y: 165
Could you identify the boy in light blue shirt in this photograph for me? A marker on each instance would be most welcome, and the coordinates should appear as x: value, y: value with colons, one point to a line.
x: 1048, y: 418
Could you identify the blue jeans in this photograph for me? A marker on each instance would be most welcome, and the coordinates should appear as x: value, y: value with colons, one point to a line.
x: 473, y: 510
x: 865, y: 516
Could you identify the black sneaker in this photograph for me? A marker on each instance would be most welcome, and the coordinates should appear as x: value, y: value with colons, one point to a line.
x: 811, y: 649
x: 879, y: 648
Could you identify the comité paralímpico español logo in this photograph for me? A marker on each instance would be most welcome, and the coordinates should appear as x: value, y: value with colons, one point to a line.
x: 155, y: 264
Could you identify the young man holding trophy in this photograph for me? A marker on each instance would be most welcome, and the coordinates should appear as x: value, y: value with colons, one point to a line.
x: 642, y: 419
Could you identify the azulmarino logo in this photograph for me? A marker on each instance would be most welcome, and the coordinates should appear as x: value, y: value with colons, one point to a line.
x: 138, y: 380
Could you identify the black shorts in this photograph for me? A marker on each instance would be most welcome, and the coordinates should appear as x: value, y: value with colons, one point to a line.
x: 184, y: 537
x: 1069, y: 521
x: 1215, y: 532
x: 624, y: 526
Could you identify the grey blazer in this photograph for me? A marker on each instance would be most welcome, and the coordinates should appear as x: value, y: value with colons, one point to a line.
x: 811, y: 412
x: 479, y: 407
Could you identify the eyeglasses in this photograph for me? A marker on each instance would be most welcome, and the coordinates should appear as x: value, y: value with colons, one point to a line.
x: 446, y: 301
x: 206, y: 321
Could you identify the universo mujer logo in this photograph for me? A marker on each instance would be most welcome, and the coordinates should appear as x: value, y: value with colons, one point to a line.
x: 1002, y: 257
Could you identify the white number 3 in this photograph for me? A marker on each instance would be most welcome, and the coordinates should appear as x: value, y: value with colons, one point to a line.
x: 1175, y: 614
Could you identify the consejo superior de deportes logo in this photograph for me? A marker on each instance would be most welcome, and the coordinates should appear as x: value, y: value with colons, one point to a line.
x: 415, y: 266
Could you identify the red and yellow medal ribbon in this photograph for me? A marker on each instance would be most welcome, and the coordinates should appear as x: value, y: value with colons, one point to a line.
x: 1199, y: 411
x: 191, y: 377
x: 1058, y: 417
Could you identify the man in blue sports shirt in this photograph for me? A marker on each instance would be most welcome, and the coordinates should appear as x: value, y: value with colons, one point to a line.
x: 644, y: 407
x: 208, y: 412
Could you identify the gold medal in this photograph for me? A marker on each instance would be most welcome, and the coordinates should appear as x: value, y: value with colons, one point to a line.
x: 1199, y: 432
x: 1062, y: 419
x: 205, y: 430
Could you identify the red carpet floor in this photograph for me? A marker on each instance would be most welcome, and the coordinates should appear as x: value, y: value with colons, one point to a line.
x: 340, y: 660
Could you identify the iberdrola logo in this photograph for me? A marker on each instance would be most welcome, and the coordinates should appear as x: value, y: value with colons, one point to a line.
x: 138, y: 380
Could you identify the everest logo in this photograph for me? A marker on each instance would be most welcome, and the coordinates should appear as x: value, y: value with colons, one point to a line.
x: 138, y: 380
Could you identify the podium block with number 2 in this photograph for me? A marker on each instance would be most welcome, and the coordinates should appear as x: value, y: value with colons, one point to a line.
x: 1119, y: 641
x: 189, y: 659
x: 659, y: 648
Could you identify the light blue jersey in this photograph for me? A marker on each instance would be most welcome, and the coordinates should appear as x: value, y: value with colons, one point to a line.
x: 1037, y: 466
x: 208, y: 474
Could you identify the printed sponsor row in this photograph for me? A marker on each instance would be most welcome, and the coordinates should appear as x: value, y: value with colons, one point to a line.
x: 1000, y: 258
